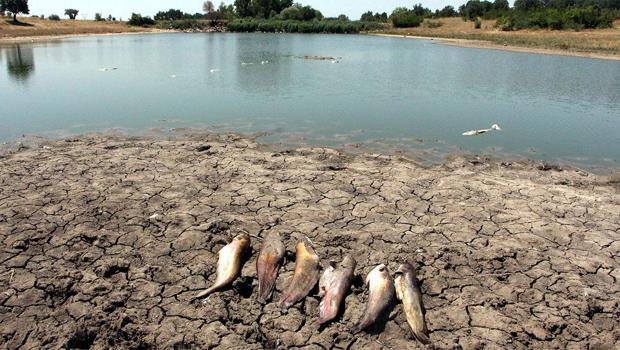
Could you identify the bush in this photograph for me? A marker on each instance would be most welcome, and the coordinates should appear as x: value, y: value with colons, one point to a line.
x: 477, y: 23
x: 53, y: 18
x: 137, y: 20
x: 332, y: 26
x: 185, y: 24
x: 98, y: 17
x: 573, y: 18
x: 406, y: 20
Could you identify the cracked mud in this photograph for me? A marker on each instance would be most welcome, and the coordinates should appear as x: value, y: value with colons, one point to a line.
x: 106, y: 239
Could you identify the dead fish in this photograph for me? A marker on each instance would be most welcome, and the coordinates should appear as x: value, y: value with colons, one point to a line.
x: 333, y: 287
x: 408, y: 291
x: 305, y: 277
x: 268, y: 264
x: 229, y: 264
x: 381, y: 293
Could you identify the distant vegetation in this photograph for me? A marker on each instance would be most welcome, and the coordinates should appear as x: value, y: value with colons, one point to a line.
x: 72, y: 13
x: 293, y: 26
x: 137, y: 19
x: 287, y: 16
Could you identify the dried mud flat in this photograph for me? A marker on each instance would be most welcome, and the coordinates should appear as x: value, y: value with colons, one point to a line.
x: 105, y: 240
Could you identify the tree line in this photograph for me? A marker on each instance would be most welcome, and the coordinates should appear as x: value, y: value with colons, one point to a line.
x: 554, y: 14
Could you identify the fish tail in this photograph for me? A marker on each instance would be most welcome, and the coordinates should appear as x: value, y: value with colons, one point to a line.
x: 205, y: 292
x: 422, y: 337
x: 361, y: 325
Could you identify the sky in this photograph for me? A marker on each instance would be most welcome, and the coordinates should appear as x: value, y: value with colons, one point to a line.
x: 124, y: 8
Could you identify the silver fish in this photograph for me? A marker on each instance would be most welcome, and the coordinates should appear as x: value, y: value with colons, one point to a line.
x: 381, y: 293
x: 333, y: 287
x: 408, y: 291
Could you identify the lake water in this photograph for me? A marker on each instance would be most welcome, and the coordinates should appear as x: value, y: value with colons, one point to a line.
x: 381, y: 92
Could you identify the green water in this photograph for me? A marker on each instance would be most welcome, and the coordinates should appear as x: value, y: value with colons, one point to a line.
x: 382, y: 92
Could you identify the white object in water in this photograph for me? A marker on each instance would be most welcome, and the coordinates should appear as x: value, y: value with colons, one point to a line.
x: 481, y: 131
x: 213, y: 71
x: 105, y: 69
x: 173, y: 76
x: 264, y: 62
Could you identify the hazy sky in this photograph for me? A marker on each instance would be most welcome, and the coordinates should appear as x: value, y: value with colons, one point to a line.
x: 124, y: 8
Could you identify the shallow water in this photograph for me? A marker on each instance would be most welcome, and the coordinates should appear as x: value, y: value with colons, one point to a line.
x: 388, y: 92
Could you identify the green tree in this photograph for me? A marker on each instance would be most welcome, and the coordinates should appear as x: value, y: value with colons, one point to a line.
x: 526, y: 5
x: 209, y: 9
x: 98, y: 17
x: 447, y: 11
x: 343, y: 18
x: 244, y: 8
x: 72, y: 13
x: 501, y: 5
x: 15, y: 7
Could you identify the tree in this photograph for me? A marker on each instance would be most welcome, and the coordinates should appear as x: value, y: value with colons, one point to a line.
x: 526, y: 5
x: 72, y: 13
x: 15, y: 7
x: 208, y: 8
x: 343, y: 18
x: 244, y: 8
x: 449, y: 11
x: 501, y: 5
x: 169, y: 15
x: 98, y: 17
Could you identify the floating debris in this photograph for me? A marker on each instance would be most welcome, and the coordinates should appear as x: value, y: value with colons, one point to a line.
x: 105, y: 69
x: 213, y: 71
x: 320, y: 58
x: 173, y: 76
x: 482, y: 131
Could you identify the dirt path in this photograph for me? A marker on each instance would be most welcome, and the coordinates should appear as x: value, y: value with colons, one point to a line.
x: 106, y: 239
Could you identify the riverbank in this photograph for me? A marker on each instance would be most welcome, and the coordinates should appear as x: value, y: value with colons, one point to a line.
x: 594, y: 43
x: 107, y: 238
x: 599, y: 43
x: 37, y: 29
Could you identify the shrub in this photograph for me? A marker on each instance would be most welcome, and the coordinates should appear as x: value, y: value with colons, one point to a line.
x: 331, y: 26
x: 98, y: 17
x: 184, y: 24
x: 137, y: 20
x: 477, y: 23
x: 53, y: 18
x: 406, y: 20
x: 572, y: 18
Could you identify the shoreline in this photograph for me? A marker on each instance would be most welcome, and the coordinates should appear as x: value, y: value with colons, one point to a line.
x: 427, y: 156
x: 483, y: 44
x: 467, y: 43
x: 51, y: 38
x: 108, y: 238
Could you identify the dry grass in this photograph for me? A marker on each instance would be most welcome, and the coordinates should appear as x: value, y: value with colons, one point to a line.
x: 31, y: 27
x: 602, y: 41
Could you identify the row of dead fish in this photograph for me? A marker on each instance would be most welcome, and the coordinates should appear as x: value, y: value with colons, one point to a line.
x: 334, y: 284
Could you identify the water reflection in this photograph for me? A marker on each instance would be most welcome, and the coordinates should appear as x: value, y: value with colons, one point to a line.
x: 20, y: 62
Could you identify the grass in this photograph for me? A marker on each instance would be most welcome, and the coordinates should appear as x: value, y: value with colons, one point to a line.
x: 602, y: 41
x: 39, y: 27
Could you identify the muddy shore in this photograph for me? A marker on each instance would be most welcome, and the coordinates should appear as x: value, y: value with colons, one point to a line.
x: 483, y: 44
x: 106, y: 239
